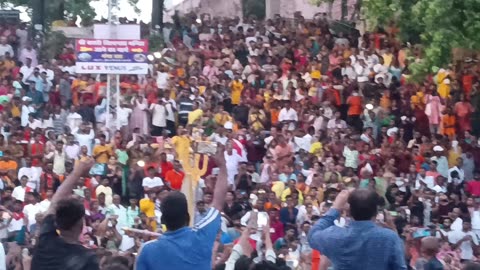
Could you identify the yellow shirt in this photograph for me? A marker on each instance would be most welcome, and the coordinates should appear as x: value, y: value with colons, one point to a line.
x: 237, y: 88
x: 148, y: 208
x: 194, y: 116
x: 221, y: 118
x: 387, y: 59
x: 278, y: 187
x: 182, y: 146
x: 104, y: 157
x: 15, y: 111
x: 256, y: 120
x: 443, y: 87
x: 287, y: 192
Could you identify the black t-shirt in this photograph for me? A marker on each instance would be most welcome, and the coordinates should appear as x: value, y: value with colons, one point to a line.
x: 53, y: 253
x: 433, y: 264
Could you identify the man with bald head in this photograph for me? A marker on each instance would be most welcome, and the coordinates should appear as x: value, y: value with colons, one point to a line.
x: 429, y: 249
x: 362, y: 244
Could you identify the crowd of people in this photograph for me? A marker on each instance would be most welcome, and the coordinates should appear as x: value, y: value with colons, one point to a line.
x: 300, y: 113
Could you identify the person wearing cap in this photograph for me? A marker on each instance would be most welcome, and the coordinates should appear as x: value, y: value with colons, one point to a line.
x: 27, y: 109
x: 442, y: 161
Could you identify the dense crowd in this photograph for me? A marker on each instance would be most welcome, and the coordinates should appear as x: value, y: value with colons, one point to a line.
x: 302, y: 113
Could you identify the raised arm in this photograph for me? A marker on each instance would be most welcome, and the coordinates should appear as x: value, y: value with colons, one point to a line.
x: 221, y: 185
x: 67, y: 186
x: 321, y: 235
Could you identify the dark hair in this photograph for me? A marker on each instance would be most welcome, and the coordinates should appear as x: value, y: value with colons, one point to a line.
x: 471, y: 266
x: 116, y: 266
x: 243, y: 263
x: 69, y: 212
x: 175, y: 211
x: 363, y: 204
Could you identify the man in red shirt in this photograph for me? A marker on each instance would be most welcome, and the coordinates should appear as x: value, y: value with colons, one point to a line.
x: 175, y: 176
x: 165, y: 166
x: 473, y: 187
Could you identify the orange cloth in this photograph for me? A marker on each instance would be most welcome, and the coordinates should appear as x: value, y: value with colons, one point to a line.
x: 274, y: 116
x: 355, y: 105
x: 316, y: 259
x: 448, y: 123
x: 175, y: 179
x: 8, y: 165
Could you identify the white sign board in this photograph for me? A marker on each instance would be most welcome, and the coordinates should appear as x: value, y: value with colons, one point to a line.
x: 114, y: 31
x: 112, y: 68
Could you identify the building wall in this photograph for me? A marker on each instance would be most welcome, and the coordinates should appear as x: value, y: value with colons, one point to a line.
x: 287, y: 8
x: 220, y: 8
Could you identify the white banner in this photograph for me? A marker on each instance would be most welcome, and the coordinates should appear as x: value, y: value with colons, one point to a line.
x: 112, y: 68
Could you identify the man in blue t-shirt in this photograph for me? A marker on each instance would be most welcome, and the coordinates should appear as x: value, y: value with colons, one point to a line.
x: 182, y: 247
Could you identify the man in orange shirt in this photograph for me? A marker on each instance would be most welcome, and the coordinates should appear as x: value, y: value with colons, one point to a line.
x: 355, y: 106
x: 174, y: 177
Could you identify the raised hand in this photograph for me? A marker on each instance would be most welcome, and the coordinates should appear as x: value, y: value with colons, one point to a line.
x: 341, y: 200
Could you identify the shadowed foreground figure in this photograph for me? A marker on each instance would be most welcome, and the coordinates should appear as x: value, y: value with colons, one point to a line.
x: 362, y: 244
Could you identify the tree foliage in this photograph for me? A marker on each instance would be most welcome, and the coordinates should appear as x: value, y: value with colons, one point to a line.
x: 256, y: 8
x: 68, y: 9
x: 438, y: 25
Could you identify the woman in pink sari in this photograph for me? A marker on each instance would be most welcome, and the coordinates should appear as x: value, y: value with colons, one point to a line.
x: 139, y: 117
x: 463, y: 110
x: 433, y: 110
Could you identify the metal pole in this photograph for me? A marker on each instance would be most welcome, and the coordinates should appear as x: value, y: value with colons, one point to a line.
x: 107, y: 120
x: 118, y: 101
x: 110, y: 6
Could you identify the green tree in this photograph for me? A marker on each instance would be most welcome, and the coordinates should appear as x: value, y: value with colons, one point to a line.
x: 65, y: 9
x: 438, y: 25
x: 256, y: 8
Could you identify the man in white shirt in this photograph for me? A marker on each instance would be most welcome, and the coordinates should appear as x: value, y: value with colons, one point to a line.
x: 27, y: 109
x: 33, y: 123
x: 22, y: 35
x: 159, y: 118
x: 72, y: 149
x: 27, y: 70
x: 152, y: 182
x: 123, y: 115
x: 45, y: 204
x: 363, y: 71
x: 288, y: 116
x: 32, y: 209
x: 85, y: 137
x: 19, y: 191
x: 31, y: 173
x: 162, y: 79
x: 118, y: 212
x: 45, y: 67
x: 459, y: 171
x: 336, y: 123
x: 28, y: 52
x: 465, y: 240
x: 5, y: 47
x: 232, y: 158
x: 171, y: 107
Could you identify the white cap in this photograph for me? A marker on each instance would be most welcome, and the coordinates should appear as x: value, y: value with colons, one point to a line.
x: 26, y: 99
x: 390, y: 131
x: 228, y: 125
x: 438, y: 148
